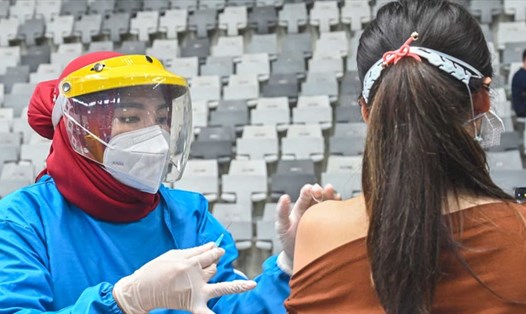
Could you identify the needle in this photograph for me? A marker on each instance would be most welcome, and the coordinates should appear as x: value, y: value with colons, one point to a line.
x: 218, y: 241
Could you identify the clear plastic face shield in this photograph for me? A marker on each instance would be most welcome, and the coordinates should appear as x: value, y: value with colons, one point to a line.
x: 137, y: 133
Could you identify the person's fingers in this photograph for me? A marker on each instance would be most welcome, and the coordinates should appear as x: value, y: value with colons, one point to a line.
x: 305, y: 197
x: 329, y: 193
x: 209, y: 272
x: 197, y: 250
x: 208, y: 258
x: 283, y: 212
x: 230, y: 287
x: 317, y: 193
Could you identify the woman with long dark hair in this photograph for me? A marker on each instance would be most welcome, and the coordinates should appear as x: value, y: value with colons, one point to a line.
x: 432, y: 232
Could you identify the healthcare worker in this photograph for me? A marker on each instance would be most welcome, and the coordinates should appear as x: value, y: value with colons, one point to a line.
x: 98, y: 232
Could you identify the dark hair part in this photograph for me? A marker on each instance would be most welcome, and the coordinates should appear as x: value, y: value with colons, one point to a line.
x: 418, y: 150
x: 524, y: 56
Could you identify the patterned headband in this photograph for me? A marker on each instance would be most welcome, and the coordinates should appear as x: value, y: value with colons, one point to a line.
x: 451, y: 65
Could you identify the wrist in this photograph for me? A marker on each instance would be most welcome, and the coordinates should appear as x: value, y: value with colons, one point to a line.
x: 285, y: 263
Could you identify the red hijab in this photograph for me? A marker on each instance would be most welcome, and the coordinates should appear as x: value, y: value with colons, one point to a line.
x: 81, y: 181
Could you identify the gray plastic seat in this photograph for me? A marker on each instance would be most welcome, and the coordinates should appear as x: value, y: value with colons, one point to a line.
x: 212, y: 4
x: 239, y: 219
x: 324, y: 14
x: 233, y: 114
x: 200, y: 176
x: 294, y: 43
x: 156, y: 5
x: 59, y: 27
x: 22, y: 10
x: 88, y: 26
x: 173, y: 22
x: 9, y: 31
x: 258, y: 142
x: 188, y: 5
x: 293, y: 16
x: 115, y: 25
x: 77, y: 8
x: 101, y: 7
x: 303, y: 141
x: 262, y: 19
x: 509, y: 180
x: 517, y: 8
x: 246, y: 182
x: 348, y: 114
x: 133, y: 47
x: 128, y: 6
x: 100, y: 46
x: 221, y: 66
x: 512, y: 52
x: 355, y: 13
x: 346, y: 145
x: 313, y: 109
x: 508, y: 141
x: 290, y: 177
x: 203, y: 21
x: 289, y: 63
x: 233, y: 19
x: 281, y: 85
x: 265, y: 43
x: 4, y: 9
x: 273, y: 111
x: 486, y: 9
x: 48, y: 9
x: 320, y: 83
x: 197, y: 47
x: 144, y: 24
x: 31, y: 30
x: 507, y: 160
x: 186, y: 67
x: 36, y: 55
x: 351, y: 84
x: 238, y: 3
x: 213, y: 143
x: 229, y: 46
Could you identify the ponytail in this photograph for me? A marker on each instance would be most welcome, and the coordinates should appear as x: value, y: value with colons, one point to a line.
x: 417, y: 152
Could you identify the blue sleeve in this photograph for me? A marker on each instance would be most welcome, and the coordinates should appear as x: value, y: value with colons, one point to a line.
x: 272, y: 285
x: 25, y: 285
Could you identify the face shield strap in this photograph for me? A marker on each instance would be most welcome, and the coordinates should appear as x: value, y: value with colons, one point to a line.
x: 491, y: 126
x: 58, y: 109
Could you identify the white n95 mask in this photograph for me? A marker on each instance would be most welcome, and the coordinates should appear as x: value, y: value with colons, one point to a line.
x: 139, y: 158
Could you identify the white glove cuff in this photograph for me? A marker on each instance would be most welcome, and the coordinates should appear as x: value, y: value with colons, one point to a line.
x: 125, y: 296
x: 284, y: 263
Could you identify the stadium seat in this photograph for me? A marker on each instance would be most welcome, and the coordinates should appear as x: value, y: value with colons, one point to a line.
x: 246, y: 182
x: 233, y: 19
x: 200, y: 176
x: 290, y: 176
x: 293, y: 16
x: 258, y: 142
x: 303, y: 141
x: 313, y: 109
x: 272, y: 111
x: 173, y: 22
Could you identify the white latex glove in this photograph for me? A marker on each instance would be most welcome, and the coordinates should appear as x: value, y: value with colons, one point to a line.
x: 176, y: 280
x: 287, y: 223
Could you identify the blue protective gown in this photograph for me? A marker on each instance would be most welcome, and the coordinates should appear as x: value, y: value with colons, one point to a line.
x: 56, y: 258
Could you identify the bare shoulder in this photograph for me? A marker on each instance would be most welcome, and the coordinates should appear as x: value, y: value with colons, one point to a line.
x: 328, y: 225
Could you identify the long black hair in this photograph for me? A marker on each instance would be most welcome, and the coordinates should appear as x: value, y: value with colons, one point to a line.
x: 418, y: 150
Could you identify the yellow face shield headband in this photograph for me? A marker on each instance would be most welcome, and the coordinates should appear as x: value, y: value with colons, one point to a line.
x: 123, y: 71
